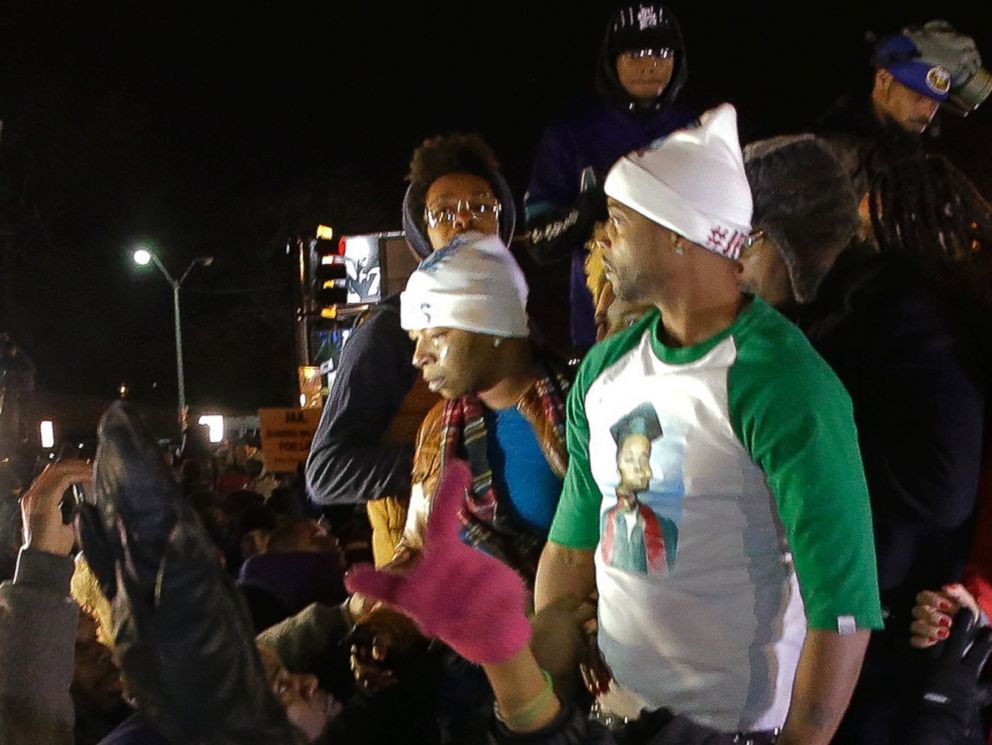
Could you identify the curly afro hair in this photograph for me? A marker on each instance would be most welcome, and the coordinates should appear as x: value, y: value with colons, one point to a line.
x: 444, y: 154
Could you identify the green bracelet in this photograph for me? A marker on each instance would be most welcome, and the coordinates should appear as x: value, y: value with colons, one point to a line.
x: 530, y: 713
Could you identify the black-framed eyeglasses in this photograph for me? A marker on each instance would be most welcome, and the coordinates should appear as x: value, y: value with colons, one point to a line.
x: 448, y: 210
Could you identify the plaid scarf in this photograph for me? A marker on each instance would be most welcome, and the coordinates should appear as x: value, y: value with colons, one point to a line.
x: 489, y: 520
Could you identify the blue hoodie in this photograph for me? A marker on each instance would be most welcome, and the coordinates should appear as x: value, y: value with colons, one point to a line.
x: 565, y: 198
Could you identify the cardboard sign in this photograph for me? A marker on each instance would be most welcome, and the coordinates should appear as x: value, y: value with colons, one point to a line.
x: 286, y: 437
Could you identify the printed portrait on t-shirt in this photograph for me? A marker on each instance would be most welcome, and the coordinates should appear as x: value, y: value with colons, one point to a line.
x: 636, y: 534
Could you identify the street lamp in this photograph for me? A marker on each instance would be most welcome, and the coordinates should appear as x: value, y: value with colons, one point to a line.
x: 143, y: 257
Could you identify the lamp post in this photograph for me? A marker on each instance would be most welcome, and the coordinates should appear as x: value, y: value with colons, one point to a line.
x: 142, y: 257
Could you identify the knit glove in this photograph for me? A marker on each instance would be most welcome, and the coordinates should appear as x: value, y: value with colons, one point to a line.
x: 592, y: 198
x: 950, y: 691
x: 467, y: 599
x: 940, y: 43
x: 559, y: 230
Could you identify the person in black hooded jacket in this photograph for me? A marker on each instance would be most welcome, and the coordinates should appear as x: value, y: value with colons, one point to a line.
x: 884, y: 325
x: 455, y: 186
x: 641, y: 68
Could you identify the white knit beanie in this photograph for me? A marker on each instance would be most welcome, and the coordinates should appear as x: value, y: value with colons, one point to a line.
x: 473, y: 283
x: 691, y: 182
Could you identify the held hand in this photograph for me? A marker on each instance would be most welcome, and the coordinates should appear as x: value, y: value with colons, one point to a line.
x: 561, y: 634
x: 455, y: 593
x: 370, y: 662
x: 379, y: 650
x: 596, y: 674
x: 934, y: 612
x: 44, y: 529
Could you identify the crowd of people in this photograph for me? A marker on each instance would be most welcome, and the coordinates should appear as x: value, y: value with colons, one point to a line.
x: 759, y: 510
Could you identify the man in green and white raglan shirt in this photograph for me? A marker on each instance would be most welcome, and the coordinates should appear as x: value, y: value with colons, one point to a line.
x: 758, y: 616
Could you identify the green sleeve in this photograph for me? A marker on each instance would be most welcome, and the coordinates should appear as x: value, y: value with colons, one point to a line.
x: 795, y: 420
x: 576, y: 521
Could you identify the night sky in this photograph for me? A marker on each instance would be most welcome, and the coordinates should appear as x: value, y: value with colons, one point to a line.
x: 211, y: 129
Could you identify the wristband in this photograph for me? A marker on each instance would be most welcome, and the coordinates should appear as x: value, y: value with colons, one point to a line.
x: 529, y: 714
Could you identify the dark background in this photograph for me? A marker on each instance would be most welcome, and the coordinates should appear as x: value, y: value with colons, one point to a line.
x: 215, y: 129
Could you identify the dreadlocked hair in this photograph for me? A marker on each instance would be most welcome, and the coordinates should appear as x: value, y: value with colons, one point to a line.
x: 444, y: 154
x: 927, y: 210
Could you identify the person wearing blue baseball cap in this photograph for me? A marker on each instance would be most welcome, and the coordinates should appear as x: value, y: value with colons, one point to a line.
x: 915, y: 72
x: 908, y: 87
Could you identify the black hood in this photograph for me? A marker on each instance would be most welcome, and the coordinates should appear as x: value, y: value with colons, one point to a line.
x: 608, y: 84
x: 413, y: 224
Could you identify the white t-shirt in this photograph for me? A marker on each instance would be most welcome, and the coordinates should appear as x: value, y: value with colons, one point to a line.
x: 755, y: 476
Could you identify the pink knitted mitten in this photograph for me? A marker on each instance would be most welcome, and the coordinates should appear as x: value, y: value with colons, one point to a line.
x: 467, y: 599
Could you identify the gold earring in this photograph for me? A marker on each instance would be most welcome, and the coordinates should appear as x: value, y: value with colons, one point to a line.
x: 677, y: 246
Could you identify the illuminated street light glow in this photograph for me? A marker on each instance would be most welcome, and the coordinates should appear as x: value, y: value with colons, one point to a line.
x: 47, y: 434
x: 142, y: 257
x: 215, y: 422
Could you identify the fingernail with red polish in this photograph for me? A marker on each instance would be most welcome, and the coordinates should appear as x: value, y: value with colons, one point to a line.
x: 943, y: 633
x: 945, y: 622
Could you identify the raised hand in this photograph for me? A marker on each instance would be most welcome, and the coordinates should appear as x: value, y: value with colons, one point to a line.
x: 44, y: 527
x: 181, y: 629
x: 455, y: 593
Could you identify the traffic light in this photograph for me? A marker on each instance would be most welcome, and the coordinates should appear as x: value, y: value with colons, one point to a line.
x: 329, y: 276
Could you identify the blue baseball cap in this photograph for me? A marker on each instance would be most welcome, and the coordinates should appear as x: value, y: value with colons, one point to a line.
x: 901, y: 57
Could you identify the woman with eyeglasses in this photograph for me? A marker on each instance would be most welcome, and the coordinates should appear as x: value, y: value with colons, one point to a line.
x: 363, y: 448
